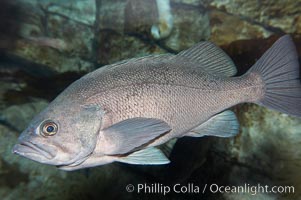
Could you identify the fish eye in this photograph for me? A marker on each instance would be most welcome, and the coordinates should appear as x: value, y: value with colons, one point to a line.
x: 49, y: 128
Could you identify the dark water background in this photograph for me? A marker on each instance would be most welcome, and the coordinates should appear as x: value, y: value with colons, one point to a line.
x: 46, y: 45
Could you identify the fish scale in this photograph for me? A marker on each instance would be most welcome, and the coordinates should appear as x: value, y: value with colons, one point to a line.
x: 122, y: 112
x: 176, y: 107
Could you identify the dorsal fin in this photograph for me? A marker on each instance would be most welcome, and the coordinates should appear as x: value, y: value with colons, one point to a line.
x: 153, y: 58
x: 210, y: 58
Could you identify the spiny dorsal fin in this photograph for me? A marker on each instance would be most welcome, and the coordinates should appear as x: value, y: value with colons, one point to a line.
x: 210, y: 58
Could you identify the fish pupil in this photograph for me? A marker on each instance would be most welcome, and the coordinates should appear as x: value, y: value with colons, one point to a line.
x: 50, y: 129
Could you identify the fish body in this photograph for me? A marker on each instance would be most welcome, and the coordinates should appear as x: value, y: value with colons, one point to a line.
x: 121, y: 112
x: 174, y: 91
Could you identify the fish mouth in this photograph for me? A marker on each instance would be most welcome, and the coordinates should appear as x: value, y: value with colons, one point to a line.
x: 34, y: 151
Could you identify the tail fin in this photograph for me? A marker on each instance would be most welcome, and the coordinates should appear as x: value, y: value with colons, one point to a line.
x: 279, y: 69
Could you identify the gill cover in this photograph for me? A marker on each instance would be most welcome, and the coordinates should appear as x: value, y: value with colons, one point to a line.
x: 87, y: 124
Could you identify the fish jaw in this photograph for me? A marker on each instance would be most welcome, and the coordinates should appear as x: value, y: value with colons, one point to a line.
x: 40, y: 153
x: 92, y: 161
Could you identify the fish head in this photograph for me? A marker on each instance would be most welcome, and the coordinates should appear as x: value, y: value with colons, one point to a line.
x: 61, y: 135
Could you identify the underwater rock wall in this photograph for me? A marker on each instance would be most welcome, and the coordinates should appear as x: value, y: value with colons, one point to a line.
x: 45, y: 45
x: 238, y: 19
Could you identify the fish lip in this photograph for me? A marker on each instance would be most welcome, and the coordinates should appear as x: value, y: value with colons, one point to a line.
x: 25, y: 147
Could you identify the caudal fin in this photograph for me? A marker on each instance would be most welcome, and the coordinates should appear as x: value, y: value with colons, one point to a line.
x: 279, y: 69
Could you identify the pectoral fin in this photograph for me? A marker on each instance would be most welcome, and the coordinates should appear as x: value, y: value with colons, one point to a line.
x: 129, y: 134
x: 148, y: 156
x: 224, y: 124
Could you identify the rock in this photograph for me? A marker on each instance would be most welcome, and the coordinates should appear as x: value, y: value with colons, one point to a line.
x: 140, y: 15
x: 266, y: 150
x: 19, y: 116
x: 48, y: 37
x: 278, y: 14
x: 13, y: 23
x: 226, y: 28
x: 114, y: 47
x: 189, y: 2
x: 81, y: 11
x: 30, y: 174
x: 7, y: 86
x: 297, y: 24
x: 111, y: 15
x: 124, y: 31
x: 121, y: 29
x: 191, y: 25
x: 262, y: 16
x: 245, y: 53
x: 77, y: 37
x: 50, y: 57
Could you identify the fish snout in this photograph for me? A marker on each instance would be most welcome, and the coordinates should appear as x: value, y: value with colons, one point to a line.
x: 34, y: 151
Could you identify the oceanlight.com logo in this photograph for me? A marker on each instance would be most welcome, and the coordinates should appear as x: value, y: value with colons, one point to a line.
x: 251, y: 189
x: 190, y: 188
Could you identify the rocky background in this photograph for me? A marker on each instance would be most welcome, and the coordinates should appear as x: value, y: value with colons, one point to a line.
x: 46, y: 45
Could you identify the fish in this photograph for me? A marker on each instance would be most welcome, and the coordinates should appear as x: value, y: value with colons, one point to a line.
x: 122, y: 112
x: 164, y: 26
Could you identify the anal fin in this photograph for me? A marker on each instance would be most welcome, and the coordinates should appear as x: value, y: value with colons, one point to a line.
x: 224, y: 124
x: 167, y: 147
x: 148, y: 156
